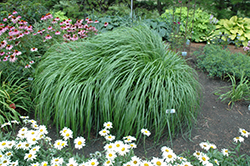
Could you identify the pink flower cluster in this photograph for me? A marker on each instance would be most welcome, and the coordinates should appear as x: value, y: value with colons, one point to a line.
x: 53, y: 27
x: 15, y: 33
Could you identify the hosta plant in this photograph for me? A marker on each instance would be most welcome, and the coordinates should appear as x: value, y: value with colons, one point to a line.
x: 237, y: 28
x: 127, y: 76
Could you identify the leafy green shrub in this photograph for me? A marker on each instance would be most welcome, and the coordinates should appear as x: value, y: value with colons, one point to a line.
x: 236, y: 29
x: 219, y: 62
x: 14, y: 97
x: 202, y: 27
x: 126, y: 76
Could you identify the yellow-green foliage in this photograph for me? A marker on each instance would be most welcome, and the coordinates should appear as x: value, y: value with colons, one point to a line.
x: 235, y: 26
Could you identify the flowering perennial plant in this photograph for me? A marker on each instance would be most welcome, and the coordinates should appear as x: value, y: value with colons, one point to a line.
x: 32, y: 146
x: 26, y: 43
x: 247, y: 48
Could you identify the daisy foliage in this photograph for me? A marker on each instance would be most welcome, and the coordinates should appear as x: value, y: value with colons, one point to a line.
x: 32, y: 147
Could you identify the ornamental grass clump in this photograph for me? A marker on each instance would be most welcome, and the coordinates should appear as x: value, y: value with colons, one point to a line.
x: 127, y: 76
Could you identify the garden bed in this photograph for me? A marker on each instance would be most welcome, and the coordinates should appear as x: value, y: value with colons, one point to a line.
x: 216, y: 123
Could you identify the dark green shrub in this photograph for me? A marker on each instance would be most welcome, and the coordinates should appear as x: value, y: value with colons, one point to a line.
x: 219, y: 62
x: 126, y: 76
x: 200, y: 24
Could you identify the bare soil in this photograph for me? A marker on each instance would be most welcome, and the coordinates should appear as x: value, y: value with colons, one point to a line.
x: 216, y: 123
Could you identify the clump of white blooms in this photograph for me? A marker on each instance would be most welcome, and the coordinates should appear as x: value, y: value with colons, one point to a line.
x: 31, y: 141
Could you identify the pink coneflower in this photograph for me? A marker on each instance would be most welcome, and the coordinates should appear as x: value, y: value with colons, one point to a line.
x: 10, y: 16
x: 50, y: 27
x: 54, y: 21
x: 20, y: 35
x: 5, y: 19
x: 16, y: 43
x: 33, y: 49
x: 26, y: 32
x: 29, y: 28
x: 178, y: 23
x: 96, y: 21
x: 48, y: 15
x: 57, y: 19
x: 85, y: 26
x: 5, y: 59
x: 14, y: 12
x: 3, y: 44
x: 2, y: 53
x: 9, y: 47
x: 31, y: 62
x: 43, y: 18
x: 39, y: 31
x: 16, y: 52
x: 106, y: 24
x: 27, y: 66
x: 12, y: 58
x: 57, y: 33
x: 11, y: 38
x: 89, y: 21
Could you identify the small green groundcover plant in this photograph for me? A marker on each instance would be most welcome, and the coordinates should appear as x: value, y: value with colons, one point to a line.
x: 127, y: 76
x: 219, y: 62
x: 31, y: 146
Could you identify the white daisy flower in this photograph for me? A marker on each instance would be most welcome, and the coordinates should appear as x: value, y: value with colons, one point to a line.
x: 135, y: 160
x: 204, y: 145
x: 110, y: 137
x: 108, y: 125
x: 92, y: 162
x: 104, y: 132
x: 157, y: 161
x: 79, y: 142
x: 238, y: 139
x: 110, y: 155
x: 72, y: 162
x: 145, y: 132
x: 169, y: 157
x: 225, y: 152
x: 30, y: 156
x: 243, y: 132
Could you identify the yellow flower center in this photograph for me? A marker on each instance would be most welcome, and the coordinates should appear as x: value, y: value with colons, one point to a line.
x: 244, y: 131
x: 30, y: 155
x: 167, y: 150
x: 123, y: 149
x: 3, y: 143
x: 58, y: 143
x: 226, y: 151
x: 56, y: 160
x: 110, y: 155
x: 34, y: 139
x: 108, y: 162
x: 67, y: 134
x: 135, y: 162
x: 110, y: 146
x: 170, y: 156
x: 146, y: 164
x: 118, y: 145
x: 45, y: 164
x: 92, y: 163
x: 158, y: 163
x: 204, y: 158
x: 8, y: 154
x: 79, y: 142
